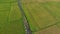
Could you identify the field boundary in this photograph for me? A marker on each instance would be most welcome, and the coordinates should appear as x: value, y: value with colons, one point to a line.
x: 26, y: 24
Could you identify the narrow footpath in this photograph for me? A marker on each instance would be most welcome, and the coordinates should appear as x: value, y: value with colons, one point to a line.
x: 26, y: 24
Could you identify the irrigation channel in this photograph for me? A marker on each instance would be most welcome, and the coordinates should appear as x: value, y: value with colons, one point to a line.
x: 26, y: 24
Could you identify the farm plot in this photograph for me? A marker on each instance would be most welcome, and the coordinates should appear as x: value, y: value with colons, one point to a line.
x: 11, y: 21
x: 41, y: 15
x: 53, y: 9
x: 51, y: 30
x: 5, y: 1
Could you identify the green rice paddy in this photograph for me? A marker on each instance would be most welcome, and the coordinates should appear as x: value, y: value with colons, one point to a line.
x: 10, y: 18
x: 40, y: 15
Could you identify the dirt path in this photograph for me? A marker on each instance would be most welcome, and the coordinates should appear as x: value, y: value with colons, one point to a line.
x: 27, y: 27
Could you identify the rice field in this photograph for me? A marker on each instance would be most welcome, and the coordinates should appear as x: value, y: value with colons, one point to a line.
x: 42, y: 15
x: 11, y: 21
